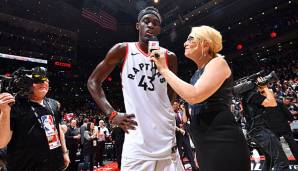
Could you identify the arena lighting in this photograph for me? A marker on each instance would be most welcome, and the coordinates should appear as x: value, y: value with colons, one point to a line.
x: 156, y: 1
x: 239, y: 46
x: 273, y: 34
x: 109, y: 78
x: 23, y: 58
x: 62, y: 64
x: 8, y: 74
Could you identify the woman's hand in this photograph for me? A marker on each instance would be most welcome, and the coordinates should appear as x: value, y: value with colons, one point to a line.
x: 159, y: 58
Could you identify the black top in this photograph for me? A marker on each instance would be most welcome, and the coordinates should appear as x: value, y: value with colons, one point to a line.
x: 254, y: 111
x: 118, y: 135
x: 220, y: 101
x: 83, y: 128
x: 69, y: 137
x: 277, y: 119
x: 28, y: 148
x: 3, y: 154
x: 88, y: 143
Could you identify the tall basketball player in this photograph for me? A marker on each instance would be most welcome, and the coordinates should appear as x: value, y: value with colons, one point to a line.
x: 149, y: 120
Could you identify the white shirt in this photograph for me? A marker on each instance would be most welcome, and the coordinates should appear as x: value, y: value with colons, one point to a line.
x: 102, y: 133
x: 145, y: 95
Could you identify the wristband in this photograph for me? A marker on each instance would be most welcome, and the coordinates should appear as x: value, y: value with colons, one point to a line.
x: 113, y: 115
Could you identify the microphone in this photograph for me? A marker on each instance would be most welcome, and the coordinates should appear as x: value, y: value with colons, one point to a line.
x: 153, y: 44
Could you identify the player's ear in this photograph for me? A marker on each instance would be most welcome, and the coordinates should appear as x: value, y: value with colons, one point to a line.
x: 137, y: 25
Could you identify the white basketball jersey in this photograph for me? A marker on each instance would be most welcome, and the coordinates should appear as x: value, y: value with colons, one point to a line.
x: 145, y: 95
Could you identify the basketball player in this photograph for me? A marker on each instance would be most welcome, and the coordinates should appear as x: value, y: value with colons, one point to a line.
x: 149, y: 121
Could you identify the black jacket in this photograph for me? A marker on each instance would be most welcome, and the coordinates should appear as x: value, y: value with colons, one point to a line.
x: 277, y: 119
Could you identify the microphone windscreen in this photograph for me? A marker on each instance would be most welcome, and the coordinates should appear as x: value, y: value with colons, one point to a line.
x: 153, y: 44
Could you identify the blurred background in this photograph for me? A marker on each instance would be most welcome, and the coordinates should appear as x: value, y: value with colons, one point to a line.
x: 70, y: 37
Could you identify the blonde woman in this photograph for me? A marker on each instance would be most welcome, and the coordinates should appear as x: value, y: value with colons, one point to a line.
x: 219, y: 141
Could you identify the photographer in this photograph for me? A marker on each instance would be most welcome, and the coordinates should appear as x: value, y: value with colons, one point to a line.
x: 278, y: 119
x: 30, y: 127
x: 254, y: 104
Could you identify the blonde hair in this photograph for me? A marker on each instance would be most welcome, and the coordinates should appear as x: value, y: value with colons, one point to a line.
x: 209, y: 34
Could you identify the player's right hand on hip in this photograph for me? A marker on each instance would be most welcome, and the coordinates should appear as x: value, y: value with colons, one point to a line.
x: 125, y: 121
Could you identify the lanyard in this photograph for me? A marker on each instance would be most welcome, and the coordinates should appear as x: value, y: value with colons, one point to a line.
x: 37, y: 116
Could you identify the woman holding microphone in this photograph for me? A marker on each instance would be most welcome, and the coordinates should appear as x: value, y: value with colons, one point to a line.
x: 216, y: 136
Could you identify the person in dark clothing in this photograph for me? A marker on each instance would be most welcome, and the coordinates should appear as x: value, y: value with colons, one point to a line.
x: 72, y: 137
x: 254, y: 104
x: 3, y: 158
x: 30, y: 128
x: 213, y: 128
x: 118, y: 139
x: 182, y: 135
x: 278, y: 119
x: 83, y: 128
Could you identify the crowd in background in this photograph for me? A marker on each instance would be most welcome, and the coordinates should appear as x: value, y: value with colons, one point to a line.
x: 36, y: 43
x: 81, y: 114
x: 87, y: 148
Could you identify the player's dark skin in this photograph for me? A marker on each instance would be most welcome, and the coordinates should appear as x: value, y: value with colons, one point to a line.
x: 148, y: 26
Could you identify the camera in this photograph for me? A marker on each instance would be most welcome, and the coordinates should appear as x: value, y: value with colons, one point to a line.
x: 246, y: 84
x: 21, y: 80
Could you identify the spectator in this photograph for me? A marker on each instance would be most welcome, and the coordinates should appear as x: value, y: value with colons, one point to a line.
x: 72, y: 137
